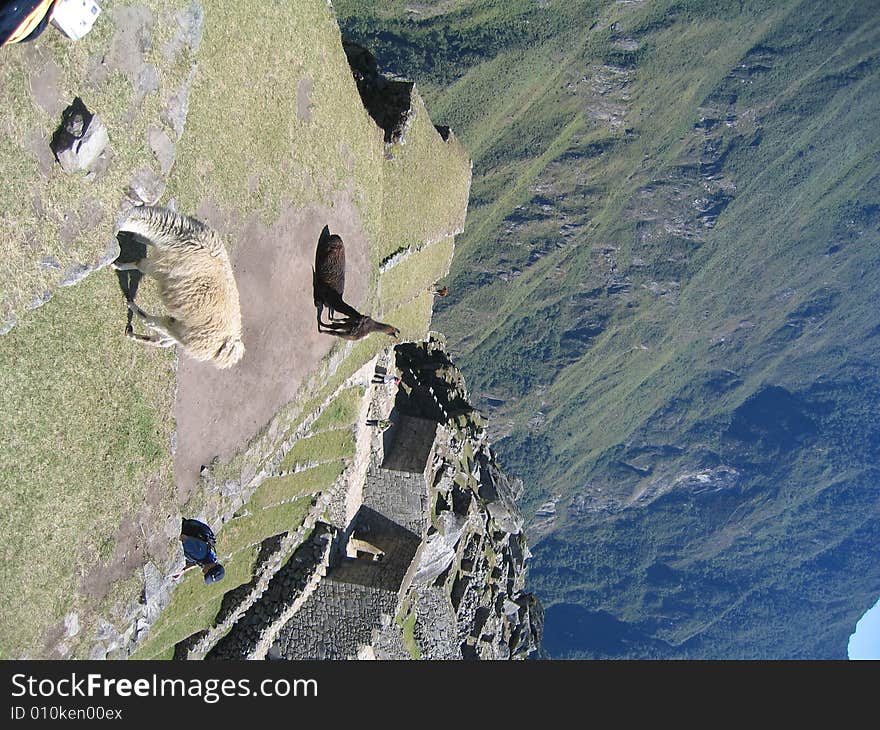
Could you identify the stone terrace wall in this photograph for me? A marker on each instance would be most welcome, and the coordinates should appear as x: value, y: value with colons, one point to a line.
x: 288, y: 590
x: 444, y: 575
x: 358, y: 596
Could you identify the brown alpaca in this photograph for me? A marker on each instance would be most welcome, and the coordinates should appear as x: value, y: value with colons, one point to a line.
x: 358, y: 327
x: 328, y: 277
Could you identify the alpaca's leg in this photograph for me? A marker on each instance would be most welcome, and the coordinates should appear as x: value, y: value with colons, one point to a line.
x: 332, y: 317
x: 154, y: 340
x: 326, y: 327
x: 162, y: 326
x: 139, y: 312
x: 339, y: 329
x: 142, y: 265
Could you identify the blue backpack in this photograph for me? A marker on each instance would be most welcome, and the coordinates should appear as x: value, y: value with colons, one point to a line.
x: 200, y: 548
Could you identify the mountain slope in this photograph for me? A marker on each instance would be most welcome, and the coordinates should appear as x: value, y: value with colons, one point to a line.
x: 666, y: 295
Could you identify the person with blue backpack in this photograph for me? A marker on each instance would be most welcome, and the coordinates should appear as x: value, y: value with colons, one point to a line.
x: 198, y: 548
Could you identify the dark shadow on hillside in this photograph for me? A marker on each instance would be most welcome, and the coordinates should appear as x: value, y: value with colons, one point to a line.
x: 325, y: 234
x: 182, y: 648
x: 407, y: 444
x: 573, y: 631
x: 387, y: 101
x: 232, y: 599
x: 431, y: 391
x: 316, y: 296
x: 772, y: 418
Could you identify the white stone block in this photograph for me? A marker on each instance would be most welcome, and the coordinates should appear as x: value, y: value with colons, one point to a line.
x: 75, y: 18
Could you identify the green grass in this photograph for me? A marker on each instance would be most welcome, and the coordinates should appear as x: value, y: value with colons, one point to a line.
x: 257, y: 524
x: 322, y: 447
x: 415, y: 274
x: 425, y: 193
x: 311, y: 481
x: 86, y: 427
x: 341, y: 411
x: 292, y: 159
x: 409, y: 641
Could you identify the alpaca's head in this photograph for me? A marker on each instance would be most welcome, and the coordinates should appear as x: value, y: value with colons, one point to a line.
x: 367, y: 324
x: 230, y: 352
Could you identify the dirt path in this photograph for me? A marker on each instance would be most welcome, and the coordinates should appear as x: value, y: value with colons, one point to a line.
x: 217, y: 411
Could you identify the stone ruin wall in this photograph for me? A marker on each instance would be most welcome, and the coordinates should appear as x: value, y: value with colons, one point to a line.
x: 450, y: 580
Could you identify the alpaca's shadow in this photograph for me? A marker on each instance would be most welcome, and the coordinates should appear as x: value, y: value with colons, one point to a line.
x: 130, y: 250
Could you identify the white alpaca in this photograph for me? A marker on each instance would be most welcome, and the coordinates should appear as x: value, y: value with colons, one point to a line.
x: 196, y: 285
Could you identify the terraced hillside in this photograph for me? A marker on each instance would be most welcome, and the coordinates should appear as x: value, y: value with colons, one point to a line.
x: 252, y: 122
x: 666, y: 297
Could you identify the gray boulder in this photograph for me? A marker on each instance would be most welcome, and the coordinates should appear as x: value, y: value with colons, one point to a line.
x: 438, y: 551
x: 81, y: 138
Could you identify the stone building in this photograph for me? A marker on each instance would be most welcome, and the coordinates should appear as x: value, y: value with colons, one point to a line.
x: 432, y: 565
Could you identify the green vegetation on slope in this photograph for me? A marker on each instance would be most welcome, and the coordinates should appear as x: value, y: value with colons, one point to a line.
x: 674, y: 214
x: 288, y: 157
x: 325, y: 446
x: 309, y: 481
x: 70, y: 484
x: 415, y: 275
x: 342, y: 411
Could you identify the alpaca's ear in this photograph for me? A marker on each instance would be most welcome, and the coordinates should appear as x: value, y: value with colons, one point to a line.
x: 231, y: 351
x: 324, y: 238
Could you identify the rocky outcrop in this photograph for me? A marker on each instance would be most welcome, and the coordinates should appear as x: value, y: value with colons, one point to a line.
x: 81, y: 138
x: 465, y: 596
x: 388, y: 101
x: 433, y: 563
